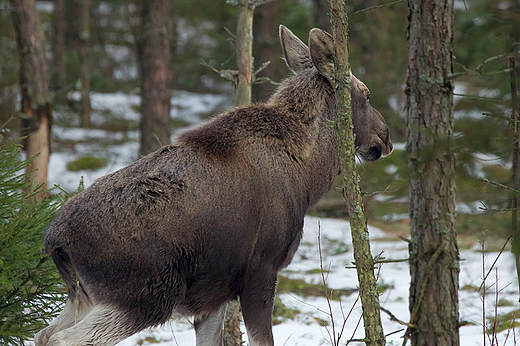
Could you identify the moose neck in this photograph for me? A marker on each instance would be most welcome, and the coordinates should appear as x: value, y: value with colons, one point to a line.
x: 307, y: 94
x: 310, y: 97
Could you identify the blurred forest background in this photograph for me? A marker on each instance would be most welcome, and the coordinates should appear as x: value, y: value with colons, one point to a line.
x: 202, y: 42
x: 485, y: 33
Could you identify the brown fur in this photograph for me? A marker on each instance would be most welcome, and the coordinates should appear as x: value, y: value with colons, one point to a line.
x: 215, y: 215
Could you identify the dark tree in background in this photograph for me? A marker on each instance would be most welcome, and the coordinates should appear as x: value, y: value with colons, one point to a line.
x: 59, y: 75
x: 153, y: 45
x: 433, y: 246
x: 266, y: 47
x: 84, y: 60
x: 321, y: 14
x: 35, y: 111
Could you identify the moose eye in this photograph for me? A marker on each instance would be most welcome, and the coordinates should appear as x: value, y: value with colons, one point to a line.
x: 368, y: 97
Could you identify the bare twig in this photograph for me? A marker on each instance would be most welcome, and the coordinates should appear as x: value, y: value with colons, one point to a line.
x: 478, y: 69
x: 404, y: 239
x: 394, y: 332
x: 494, y: 183
x: 494, y: 262
x: 479, y: 97
x: 393, y: 318
x: 259, y: 80
x: 11, y: 118
x: 375, y: 7
x: 484, y: 288
x: 305, y: 303
x: 495, y: 322
x: 345, y: 319
x: 498, y: 116
x: 377, y: 261
x: 233, y: 36
x: 354, y: 332
x: 331, y: 315
x: 227, y: 74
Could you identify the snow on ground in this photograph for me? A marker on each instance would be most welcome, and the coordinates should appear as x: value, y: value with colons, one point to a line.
x: 305, y: 329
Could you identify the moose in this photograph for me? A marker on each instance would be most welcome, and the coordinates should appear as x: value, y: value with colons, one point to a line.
x: 212, y: 217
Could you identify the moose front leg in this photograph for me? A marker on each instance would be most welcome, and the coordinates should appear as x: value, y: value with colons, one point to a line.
x: 257, y: 301
x: 209, y: 328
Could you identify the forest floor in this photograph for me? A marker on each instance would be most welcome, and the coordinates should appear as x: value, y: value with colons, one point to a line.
x: 302, y: 315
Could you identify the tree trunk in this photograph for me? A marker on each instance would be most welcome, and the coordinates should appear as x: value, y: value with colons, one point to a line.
x: 59, y: 76
x: 434, y: 256
x: 244, y: 51
x: 34, y: 81
x: 358, y: 223
x: 154, y: 61
x: 515, y: 231
x: 84, y: 62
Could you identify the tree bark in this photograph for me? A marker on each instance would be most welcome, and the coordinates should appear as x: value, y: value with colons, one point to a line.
x: 154, y: 62
x: 358, y: 223
x: 34, y: 82
x: 244, y: 52
x: 434, y: 256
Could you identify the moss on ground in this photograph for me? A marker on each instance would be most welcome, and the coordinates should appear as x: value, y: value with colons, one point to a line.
x: 282, y: 312
x: 87, y: 163
x: 305, y: 289
x: 503, y: 322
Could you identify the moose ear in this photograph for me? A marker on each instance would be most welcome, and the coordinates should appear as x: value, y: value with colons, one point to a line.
x: 295, y: 52
x: 321, y: 46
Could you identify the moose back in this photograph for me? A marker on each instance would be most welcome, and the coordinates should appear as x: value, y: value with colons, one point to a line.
x: 212, y: 217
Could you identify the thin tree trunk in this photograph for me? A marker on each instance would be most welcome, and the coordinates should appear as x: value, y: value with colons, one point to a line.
x: 358, y: 224
x: 34, y: 81
x: 434, y: 255
x: 232, y: 334
x: 515, y: 231
x: 244, y: 52
x: 154, y: 62
x: 59, y: 76
x: 84, y: 66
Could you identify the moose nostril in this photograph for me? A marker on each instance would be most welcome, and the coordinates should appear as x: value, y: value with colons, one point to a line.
x: 374, y: 153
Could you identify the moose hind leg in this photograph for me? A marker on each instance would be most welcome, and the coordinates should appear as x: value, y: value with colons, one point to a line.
x: 257, y: 301
x: 75, y: 310
x: 209, y: 328
x: 103, y: 326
